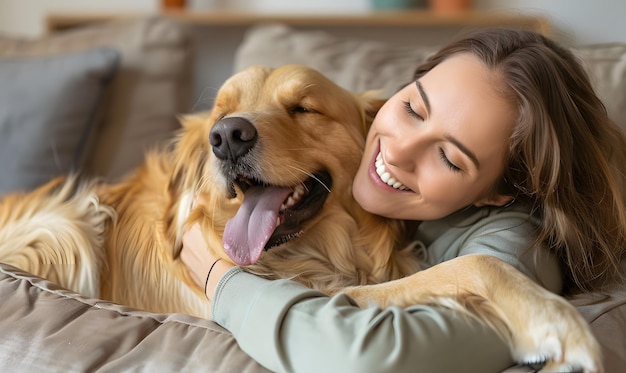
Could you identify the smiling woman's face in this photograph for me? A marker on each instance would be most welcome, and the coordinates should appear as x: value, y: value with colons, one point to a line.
x: 438, y: 145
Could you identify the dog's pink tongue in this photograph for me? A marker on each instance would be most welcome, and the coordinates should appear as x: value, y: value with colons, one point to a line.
x: 246, y: 234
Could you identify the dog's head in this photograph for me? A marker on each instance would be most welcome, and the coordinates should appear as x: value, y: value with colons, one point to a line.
x: 286, y: 143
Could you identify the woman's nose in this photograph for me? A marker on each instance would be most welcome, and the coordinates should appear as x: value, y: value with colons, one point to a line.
x: 405, y: 150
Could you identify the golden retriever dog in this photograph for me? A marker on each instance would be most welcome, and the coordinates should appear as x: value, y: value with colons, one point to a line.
x: 268, y: 174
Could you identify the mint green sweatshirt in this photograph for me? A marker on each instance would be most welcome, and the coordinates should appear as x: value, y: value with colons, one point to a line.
x: 287, y: 327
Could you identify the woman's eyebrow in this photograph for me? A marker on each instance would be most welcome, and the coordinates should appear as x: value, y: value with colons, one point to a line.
x: 420, y: 90
x: 463, y: 149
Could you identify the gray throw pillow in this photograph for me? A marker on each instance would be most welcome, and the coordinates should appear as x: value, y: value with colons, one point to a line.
x: 48, y: 108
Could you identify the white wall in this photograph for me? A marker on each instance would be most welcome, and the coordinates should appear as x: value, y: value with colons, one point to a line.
x: 576, y: 21
x: 27, y: 17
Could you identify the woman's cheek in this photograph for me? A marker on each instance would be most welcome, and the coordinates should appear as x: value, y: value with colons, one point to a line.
x: 439, y: 189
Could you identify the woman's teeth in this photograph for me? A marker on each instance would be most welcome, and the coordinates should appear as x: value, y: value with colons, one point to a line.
x: 385, y: 176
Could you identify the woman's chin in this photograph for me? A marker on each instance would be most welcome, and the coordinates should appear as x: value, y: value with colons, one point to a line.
x: 365, y: 197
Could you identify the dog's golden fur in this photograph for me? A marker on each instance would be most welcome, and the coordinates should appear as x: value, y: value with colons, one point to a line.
x: 121, y: 241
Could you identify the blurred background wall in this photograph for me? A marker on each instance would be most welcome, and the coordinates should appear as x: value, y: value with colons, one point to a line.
x: 574, y: 21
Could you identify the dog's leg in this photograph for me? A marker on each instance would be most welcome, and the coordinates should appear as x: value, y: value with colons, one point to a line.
x: 540, y: 325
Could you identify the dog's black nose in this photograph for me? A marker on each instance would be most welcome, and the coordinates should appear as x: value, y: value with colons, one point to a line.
x: 232, y: 137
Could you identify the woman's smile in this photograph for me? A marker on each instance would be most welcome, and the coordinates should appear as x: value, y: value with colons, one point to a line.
x: 385, y: 176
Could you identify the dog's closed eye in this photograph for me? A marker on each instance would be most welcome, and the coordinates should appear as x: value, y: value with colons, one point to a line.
x: 299, y: 109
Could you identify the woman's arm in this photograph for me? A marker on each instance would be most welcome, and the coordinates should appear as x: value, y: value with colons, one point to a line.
x: 290, y: 328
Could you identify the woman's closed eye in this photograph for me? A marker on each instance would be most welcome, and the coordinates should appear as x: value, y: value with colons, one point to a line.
x: 442, y: 153
x: 447, y: 162
x: 413, y: 113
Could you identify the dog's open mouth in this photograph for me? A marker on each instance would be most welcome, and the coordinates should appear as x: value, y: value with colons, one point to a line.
x: 271, y: 215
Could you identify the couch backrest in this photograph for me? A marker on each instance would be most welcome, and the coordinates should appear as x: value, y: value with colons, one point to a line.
x: 360, y: 65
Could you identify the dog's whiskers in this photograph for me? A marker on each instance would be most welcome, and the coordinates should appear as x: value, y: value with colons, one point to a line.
x: 321, y: 182
x: 311, y: 176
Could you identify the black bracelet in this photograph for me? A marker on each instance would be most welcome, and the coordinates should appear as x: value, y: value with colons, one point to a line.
x: 206, y: 282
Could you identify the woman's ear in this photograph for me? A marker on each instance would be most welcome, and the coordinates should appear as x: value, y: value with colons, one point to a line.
x: 495, y: 200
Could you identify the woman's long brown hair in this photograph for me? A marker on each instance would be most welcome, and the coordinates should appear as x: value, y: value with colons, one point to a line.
x: 567, y: 158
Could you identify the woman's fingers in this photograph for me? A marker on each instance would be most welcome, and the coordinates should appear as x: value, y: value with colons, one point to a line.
x: 196, y: 255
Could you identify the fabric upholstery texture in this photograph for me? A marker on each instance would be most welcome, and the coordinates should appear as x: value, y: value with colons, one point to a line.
x: 354, y: 64
x: 48, y: 111
x: 46, y: 328
x: 606, y: 65
x: 607, y: 314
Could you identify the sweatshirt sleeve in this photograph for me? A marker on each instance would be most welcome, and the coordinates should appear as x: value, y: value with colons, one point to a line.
x: 288, y: 327
x: 505, y: 233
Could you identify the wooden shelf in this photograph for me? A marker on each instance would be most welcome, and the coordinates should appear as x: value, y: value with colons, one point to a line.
x: 408, y: 18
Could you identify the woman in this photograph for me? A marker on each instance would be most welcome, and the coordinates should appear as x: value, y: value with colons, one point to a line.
x: 499, y: 146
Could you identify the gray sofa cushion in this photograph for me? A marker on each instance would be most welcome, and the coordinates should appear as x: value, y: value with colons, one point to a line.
x: 151, y: 88
x: 48, y: 108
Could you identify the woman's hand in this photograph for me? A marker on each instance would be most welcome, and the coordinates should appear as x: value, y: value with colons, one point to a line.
x: 204, y: 267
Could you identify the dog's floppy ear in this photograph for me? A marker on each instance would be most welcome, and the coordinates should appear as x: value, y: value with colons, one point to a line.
x: 371, y: 102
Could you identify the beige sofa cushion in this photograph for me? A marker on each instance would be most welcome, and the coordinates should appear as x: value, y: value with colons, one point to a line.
x: 606, y: 65
x: 607, y: 314
x: 356, y: 65
x: 48, y: 329
x: 151, y: 88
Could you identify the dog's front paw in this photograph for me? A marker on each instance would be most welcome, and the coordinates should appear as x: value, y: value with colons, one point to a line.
x: 557, y: 335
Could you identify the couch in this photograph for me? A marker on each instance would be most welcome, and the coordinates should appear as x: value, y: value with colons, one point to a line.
x: 98, y: 97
